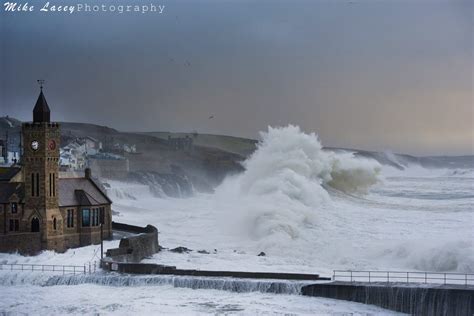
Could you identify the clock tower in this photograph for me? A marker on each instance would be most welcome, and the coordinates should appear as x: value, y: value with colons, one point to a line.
x: 40, y: 168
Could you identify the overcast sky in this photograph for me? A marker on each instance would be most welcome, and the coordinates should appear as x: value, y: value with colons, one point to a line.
x: 383, y: 75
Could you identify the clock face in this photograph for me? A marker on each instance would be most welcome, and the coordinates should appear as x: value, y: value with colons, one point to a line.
x: 34, y: 145
x: 52, y: 145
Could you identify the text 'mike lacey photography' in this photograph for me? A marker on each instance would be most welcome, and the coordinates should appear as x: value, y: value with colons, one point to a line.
x: 50, y: 7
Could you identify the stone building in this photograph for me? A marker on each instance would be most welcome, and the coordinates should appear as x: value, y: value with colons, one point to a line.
x: 39, y: 210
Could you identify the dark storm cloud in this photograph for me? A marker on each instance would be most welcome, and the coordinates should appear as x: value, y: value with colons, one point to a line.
x: 369, y: 74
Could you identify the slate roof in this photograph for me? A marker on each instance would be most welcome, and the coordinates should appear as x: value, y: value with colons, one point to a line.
x: 41, y: 112
x: 7, y: 173
x: 7, y: 189
x: 72, y: 191
x: 80, y: 191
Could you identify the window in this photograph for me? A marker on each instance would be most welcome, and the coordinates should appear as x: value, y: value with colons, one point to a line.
x: 14, y: 208
x: 37, y: 184
x: 50, y: 184
x: 14, y: 225
x: 35, y: 225
x: 32, y: 184
x: 70, y: 218
x: 54, y: 223
x: 54, y: 184
x: 86, y: 220
x: 95, y: 217
x: 102, y: 215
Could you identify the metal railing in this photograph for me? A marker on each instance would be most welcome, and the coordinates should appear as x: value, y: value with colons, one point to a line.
x: 403, y: 277
x: 89, y: 268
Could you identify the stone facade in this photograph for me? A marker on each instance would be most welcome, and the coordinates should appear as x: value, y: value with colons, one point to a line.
x: 38, y: 210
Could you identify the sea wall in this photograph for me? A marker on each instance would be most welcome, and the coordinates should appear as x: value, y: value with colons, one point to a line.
x: 24, y: 243
x: 151, y: 268
x: 414, y: 300
x: 136, y: 247
x: 122, y: 280
x: 144, y: 243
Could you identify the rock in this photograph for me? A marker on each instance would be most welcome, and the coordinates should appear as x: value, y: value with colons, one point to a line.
x: 262, y: 254
x: 203, y: 252
x: 180, y: 250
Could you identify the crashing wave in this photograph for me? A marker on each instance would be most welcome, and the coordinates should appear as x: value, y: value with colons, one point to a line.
x: 150, y: 184
x: 127, y: 191
x: 436, y: 256
x: 161, y: 184
x: 282, y: 189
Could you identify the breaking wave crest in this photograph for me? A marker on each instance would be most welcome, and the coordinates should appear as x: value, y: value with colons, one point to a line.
x: 283, y: 187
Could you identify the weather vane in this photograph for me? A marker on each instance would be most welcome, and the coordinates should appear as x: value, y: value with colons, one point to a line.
x: 40, y: 82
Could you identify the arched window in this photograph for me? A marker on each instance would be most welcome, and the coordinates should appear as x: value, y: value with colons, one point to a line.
x: 35, y: 225
x: 54, y: 223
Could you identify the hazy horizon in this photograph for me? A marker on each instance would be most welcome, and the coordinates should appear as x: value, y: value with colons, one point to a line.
x: 385, y: 75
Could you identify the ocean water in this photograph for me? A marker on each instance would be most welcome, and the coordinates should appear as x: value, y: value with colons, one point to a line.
x: 308, y: 209
x: 315, y: 211
x: 165, y: 300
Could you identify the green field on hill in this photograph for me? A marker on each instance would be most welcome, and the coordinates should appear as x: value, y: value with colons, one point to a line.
x: 236, y: 145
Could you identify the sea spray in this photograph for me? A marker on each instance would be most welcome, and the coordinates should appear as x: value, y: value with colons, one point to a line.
x: 282, y: 191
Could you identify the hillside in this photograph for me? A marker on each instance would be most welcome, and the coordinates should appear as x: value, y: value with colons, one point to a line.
x: 7, y: 122
x: 237, y: 145
x: 205, y: 167
x: 213, y: 156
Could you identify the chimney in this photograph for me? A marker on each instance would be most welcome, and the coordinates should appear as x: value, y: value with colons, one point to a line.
x: 88, y: 173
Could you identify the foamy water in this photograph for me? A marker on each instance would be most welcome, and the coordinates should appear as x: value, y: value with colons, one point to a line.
x: 314, y: 211
x: 310, y: 211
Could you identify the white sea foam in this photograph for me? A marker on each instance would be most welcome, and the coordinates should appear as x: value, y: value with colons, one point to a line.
x: 306, y: 209
x: 282, y: 190
x: 118, y: 190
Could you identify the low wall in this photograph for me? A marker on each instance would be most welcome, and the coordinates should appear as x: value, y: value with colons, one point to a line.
x: 134, y: 248
x: 417, y: 300
x: 151, y: 268
x: 24, y: 243
x: 248, y: 275
x: 126, y: 258
x: 139, y: 268
x: 129, y: 228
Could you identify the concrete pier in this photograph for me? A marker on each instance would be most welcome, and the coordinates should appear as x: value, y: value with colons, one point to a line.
x: 152, y: 268
x: 420, y: 299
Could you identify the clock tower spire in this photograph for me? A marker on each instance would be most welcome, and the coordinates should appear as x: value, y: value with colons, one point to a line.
x: 41, y: 112
x: 41, y: 169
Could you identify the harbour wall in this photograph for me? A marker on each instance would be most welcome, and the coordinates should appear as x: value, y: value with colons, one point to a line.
x: 412, y: 299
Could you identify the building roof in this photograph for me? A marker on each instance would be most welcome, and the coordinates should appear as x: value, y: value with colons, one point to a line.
x: 41, y: 112
x: 92, y: 139
x: 7, y: 189
x: 7, y: 173
x: 80, y: 191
